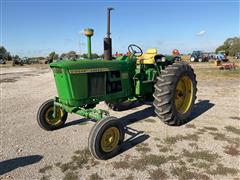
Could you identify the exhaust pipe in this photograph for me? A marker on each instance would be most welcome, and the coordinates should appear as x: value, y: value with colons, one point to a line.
x: 108, y: 41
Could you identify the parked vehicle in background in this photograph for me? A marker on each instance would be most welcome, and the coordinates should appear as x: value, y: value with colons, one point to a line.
x: 221, y: 55
x: 199, y: 56
x: 237, y: 56
x: 2, y: 61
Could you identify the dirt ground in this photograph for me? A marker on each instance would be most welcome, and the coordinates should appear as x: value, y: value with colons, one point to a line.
x: 208, y: 147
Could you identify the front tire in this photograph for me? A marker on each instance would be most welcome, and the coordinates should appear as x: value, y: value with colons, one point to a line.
x: 45, y: 117
x: 120, y: 106
x: 175, y: 93
x: 105, y: 138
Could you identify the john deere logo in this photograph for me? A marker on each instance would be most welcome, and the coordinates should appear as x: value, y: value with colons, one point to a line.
x: 79, y: 71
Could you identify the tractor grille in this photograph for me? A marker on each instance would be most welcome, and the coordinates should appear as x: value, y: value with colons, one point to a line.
x: 96, y: 84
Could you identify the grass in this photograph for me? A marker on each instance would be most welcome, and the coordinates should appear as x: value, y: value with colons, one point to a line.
x: 201, y: 155
x: 45, y: 177
x: 95, y: 176
x: 202, y: 165
x: 233, y: 130
x: 232, y: 150
x: 183, y: 174
x: 143, y: 149
x: 80, y: 159
x: 70, y: 176
x: 121, y: 165
x: 44, y: 169
x: 223, y: 170
x: 150, y: 120
x: 158, y: 174
x: 165, y: 149
x: 157, y: 139
x: 223, y: 137
x: 130, y: 177
x: 194, y: 145
x: 190, y: 126
x: 211, y: 128
x: 174, y: 139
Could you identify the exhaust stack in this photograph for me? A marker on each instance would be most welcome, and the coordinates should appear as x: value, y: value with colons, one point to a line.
x: 108, y: 40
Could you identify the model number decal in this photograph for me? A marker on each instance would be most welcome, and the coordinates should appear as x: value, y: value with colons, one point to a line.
x: 78, y: 71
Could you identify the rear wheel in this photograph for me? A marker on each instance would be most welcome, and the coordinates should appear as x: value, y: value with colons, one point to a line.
x: 46, y: 118
x: 105, y: 138
x: 175, y: 93
x: 192, y: 59
x: 120, y: 106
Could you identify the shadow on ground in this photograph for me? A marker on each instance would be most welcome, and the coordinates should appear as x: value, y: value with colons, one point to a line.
x: 199, y: 108
x: 11, y: 164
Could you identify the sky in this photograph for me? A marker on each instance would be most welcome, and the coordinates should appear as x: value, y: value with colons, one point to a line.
x: 35, y: 28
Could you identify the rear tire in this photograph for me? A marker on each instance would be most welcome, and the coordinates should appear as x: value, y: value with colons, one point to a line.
x: 174, y: 106
x: 120, y: 106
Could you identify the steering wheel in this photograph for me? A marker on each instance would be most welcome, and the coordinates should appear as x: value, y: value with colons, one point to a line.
x: 135, y: 50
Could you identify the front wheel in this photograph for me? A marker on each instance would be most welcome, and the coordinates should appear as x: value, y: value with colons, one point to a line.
x: 46, y: 118
x: 105, y: 138
x: 175, y: 93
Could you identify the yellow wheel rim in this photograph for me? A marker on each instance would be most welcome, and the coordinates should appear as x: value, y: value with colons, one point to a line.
x: 184, y: 94
x: 110, y: 139
x: 58, y: 116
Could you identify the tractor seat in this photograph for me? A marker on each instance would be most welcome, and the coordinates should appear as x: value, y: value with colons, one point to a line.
x: 148, y: 57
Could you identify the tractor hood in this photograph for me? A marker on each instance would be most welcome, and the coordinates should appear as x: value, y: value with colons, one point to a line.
x: 88, y: 66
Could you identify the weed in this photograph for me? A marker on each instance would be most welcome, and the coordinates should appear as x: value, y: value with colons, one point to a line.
x: 235, y: 117
x: 78, y: 161
x: 183, y: 173
x: 143, y: 149
x: 202, y: 165
x: 211, y: 128
x: 190, y: 126
x: 45, y: 177
x: 157, y: 139
x: 130, y: 177
x: 173, y: 139
x: 232, y: 150
x: 203, y: 155
x: 150, y: 120
x: 191, y: 137
x: 44, y: 169
x: 95, y: 176
x: 158, y: 174
x: 165, y: 149
x: 194, y: 145
x: 70, y: 176
x: 222, y: 170
x: 121, y: 165
x: 233, y: 129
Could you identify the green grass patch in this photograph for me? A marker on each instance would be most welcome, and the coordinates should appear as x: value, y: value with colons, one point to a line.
x: 130, y: 177
x: 157, y: 139
x: 45, y: 177
x: 143, y: 149
x: 44, y: 169
x: 201, y: 155
x: 233, y: 129
x: 174, y: 139
x: 158, y: 174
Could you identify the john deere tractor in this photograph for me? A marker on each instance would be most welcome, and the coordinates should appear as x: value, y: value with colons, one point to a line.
x: 138, y: 76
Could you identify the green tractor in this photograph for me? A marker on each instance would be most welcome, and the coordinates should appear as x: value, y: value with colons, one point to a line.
x: 82, y: 84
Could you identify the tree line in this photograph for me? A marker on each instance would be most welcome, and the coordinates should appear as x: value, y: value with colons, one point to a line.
x: 231, y: 46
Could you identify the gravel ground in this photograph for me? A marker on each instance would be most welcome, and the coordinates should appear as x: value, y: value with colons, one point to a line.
x: 208, y: 147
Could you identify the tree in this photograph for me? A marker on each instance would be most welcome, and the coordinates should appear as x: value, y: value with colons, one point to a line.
x: 231, y: 46
x: 53, y: 56
x: 4, y: 54
x: 71, y: 55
